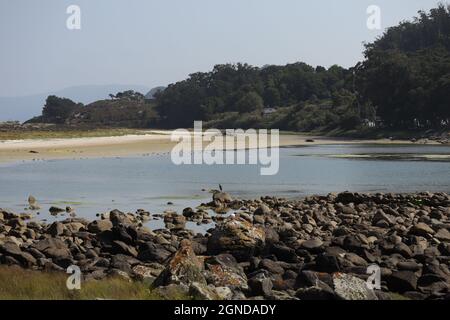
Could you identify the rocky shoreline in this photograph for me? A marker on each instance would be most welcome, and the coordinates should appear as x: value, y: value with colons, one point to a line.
x: 317, y: 248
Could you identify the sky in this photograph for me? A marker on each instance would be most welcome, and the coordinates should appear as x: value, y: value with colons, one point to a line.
x: 157, y: 42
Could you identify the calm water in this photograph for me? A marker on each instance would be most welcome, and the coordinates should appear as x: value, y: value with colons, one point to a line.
x: 98, y: 185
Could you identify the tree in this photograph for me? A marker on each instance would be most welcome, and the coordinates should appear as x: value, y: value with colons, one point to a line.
x: 57, y: 110
x: 405, y: 72
x: 129, y: 95
x: 249, y: 102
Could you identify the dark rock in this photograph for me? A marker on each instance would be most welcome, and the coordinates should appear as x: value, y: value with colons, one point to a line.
x: 55, y: 210
x: 122, y: 247
x: 328, y: 263
x: 271, y: 266
x: 283, y: 252
x: 402, y: 281
x: 152, y: 252
x: 56, y: 229
x: 260, y: 285
x: 53, y: 248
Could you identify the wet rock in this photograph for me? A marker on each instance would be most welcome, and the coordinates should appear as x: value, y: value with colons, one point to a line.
x: 55, y: 210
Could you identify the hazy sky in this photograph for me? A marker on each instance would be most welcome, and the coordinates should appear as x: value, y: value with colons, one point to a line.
x: 156, y: 42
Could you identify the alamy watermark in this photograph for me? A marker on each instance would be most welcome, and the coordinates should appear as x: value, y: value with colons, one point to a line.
x: 374, y: 19
x: 237, y: 146
x: 73, y: 22
x: 374, y: 280
x: 73, y: 282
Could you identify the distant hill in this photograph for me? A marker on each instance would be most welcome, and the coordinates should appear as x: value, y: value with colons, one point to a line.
x: 151, y: 94
x: 23, y: 108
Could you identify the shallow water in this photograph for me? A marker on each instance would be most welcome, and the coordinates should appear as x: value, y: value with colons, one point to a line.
x: 97, y: 185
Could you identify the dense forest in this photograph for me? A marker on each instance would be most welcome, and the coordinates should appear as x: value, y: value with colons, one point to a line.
x: 403, y: 83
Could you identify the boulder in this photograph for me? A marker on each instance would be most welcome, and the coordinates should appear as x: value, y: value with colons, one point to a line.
x: 55, y: 210
x: 421, y: 229
x: 348, y: 287
x: 53, y: 248
x: 184, y: 268
x: 11, y: 249
x: 260, y: 285
x: 443, y: 235
x: 402, y: 281
x: 98, y: 226
x: 153, y: 252
x: 56, y: 229
x: 312, y: 244
x: 223, y: 271
x: 221, y: 197
x: 122, y: 247
x: 117, y: 217
x: 263, y: 210
x: 272, y: 266
x: 236, y: 236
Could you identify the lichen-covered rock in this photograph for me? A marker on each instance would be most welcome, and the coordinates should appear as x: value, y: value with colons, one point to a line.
x: 238, y: 237
x: 348, y: 287
x: 184, y: 268
x: 223, y: 271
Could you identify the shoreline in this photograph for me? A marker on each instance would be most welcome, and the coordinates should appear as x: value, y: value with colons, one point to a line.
x: 153, y: 142
x: 316, y: 248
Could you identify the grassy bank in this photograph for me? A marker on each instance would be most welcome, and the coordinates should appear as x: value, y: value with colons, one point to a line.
x: 373, y: 133
x: 61, y: 133
x: 20, y: 284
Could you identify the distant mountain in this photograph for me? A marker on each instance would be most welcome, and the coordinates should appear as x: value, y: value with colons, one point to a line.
x: 23, y: 108
x: 151, y: 94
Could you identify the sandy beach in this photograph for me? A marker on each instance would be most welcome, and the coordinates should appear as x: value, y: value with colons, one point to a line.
x: 153, y: 142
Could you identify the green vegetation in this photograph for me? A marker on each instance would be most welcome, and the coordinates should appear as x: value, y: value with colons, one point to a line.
x: 66, y: 132
x: 20, y: 284
x: 403, y: 84
x: 406, y: 73
x: 126, y: 109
